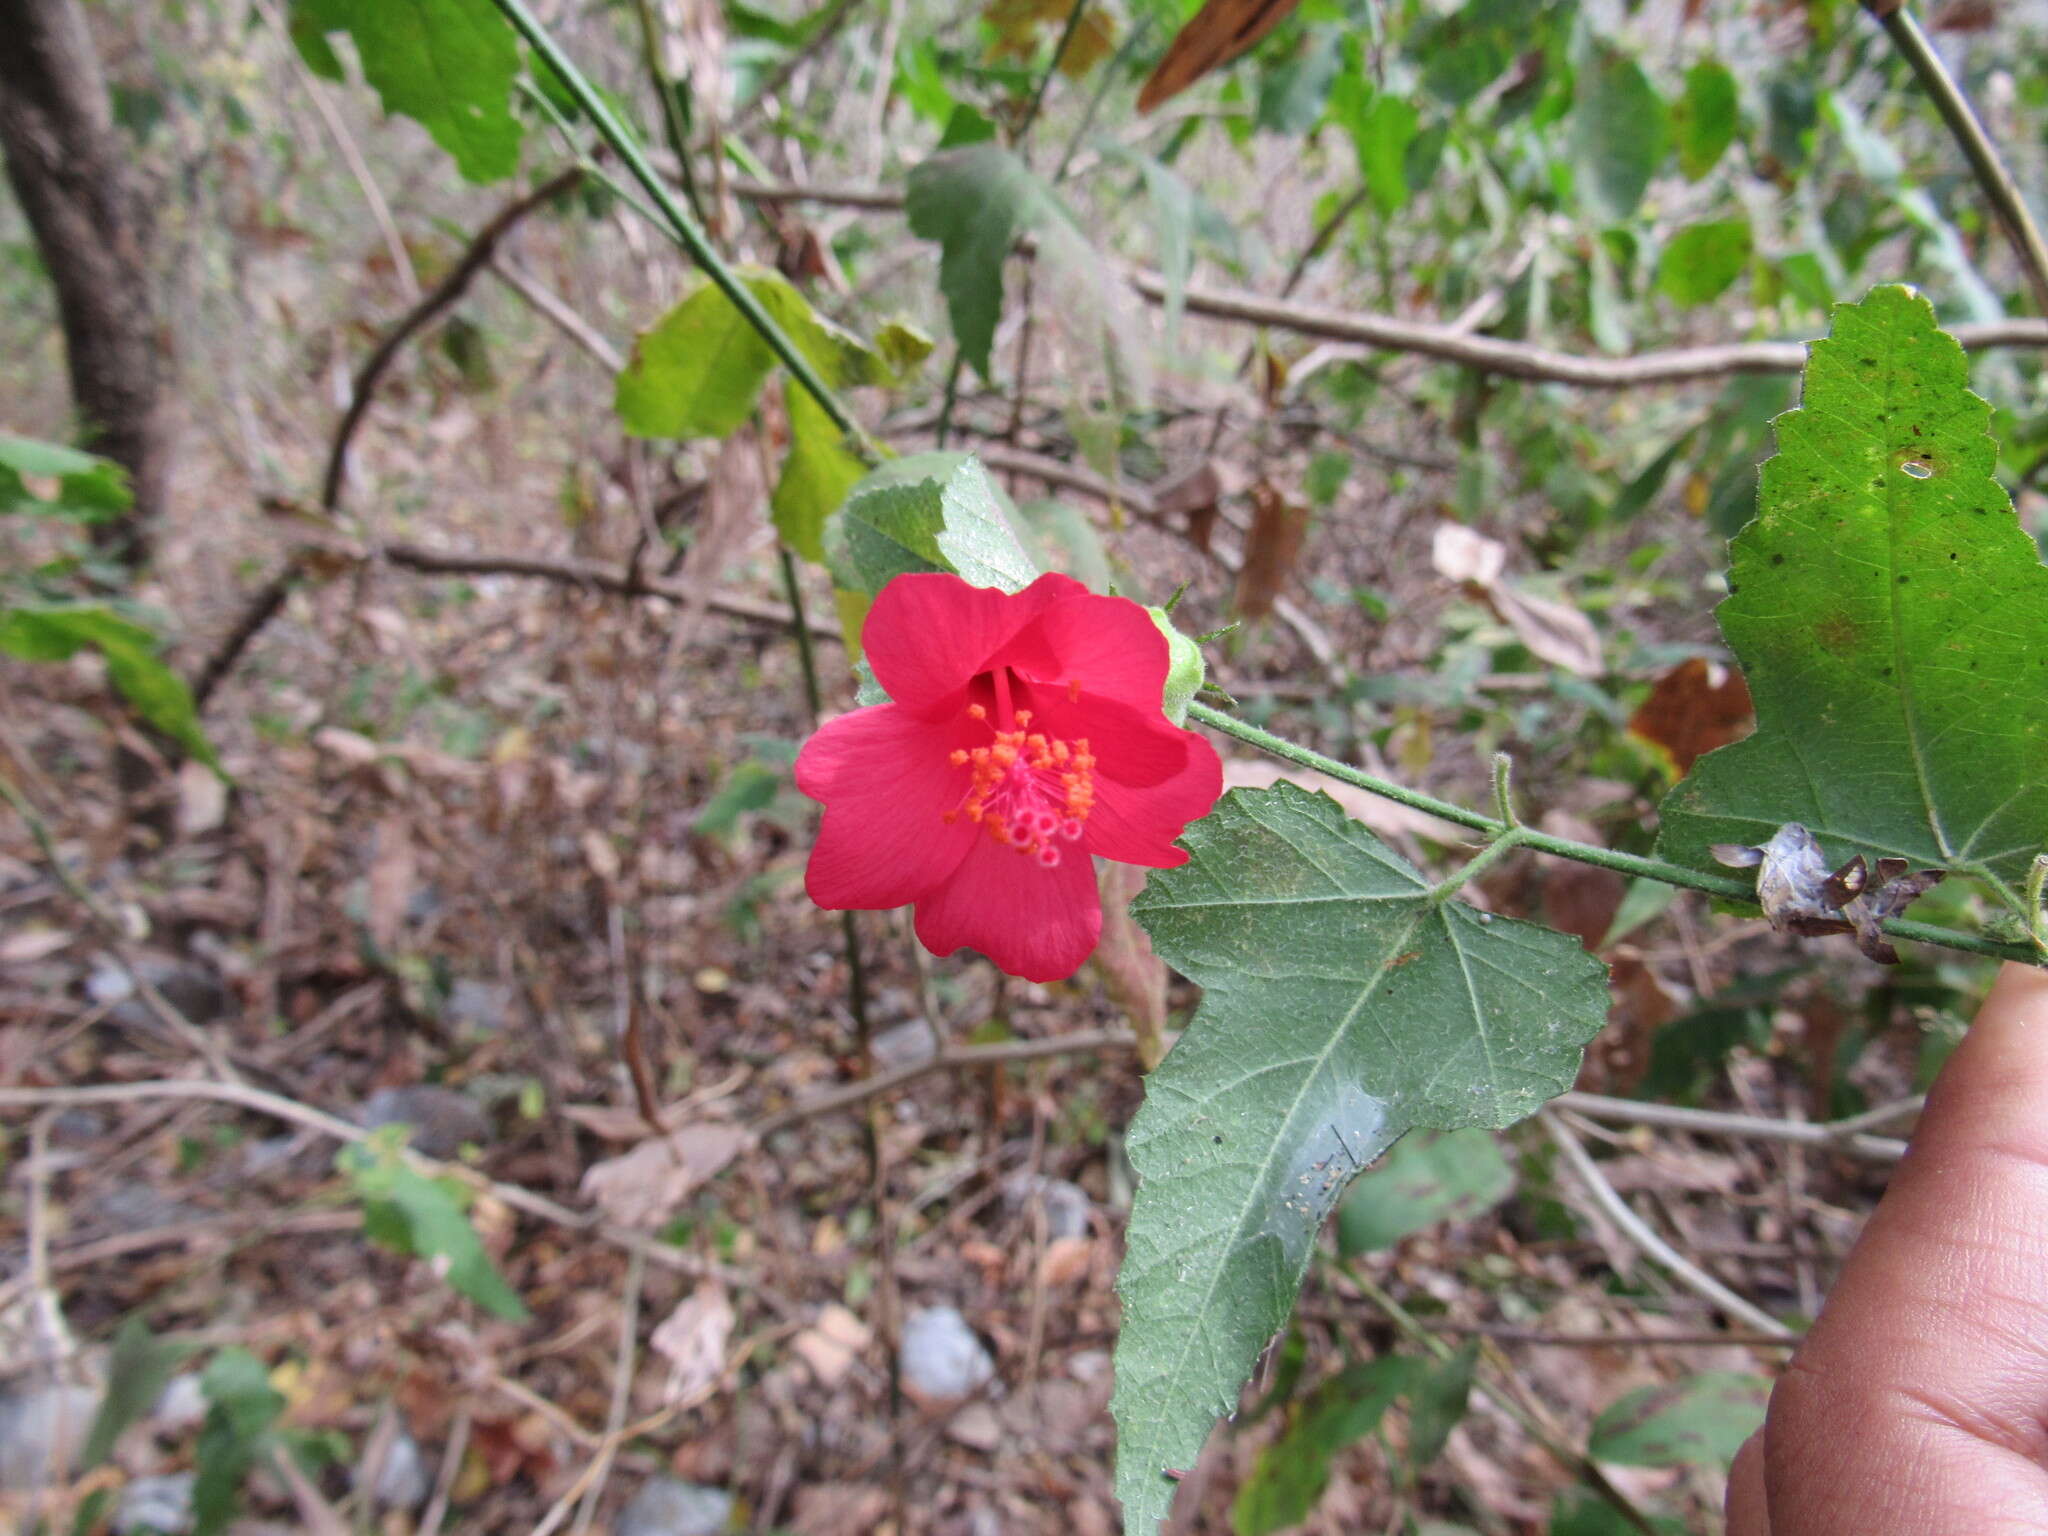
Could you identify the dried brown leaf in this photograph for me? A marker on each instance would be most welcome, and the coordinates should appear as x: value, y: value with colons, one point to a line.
x: 1218, y: 33
x: 643, y: 1187
x: 693, y: 1339
x: 1135, y: 976
x: 1695, y: 707
x: 831, y: 1344
x: 392, y: 867
x: 1801, y: 895
x: 1271, y: 550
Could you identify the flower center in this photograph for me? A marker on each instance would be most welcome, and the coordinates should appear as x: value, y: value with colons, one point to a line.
x: 1028, y: 789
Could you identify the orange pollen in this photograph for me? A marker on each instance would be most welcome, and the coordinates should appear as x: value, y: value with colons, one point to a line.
x: 1030, y: 791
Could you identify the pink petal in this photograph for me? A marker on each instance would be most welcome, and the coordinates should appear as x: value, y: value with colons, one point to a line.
x: 1031, y: 921
x: 884, y: 779
x: 1109, y: 645
x: 929, y: 632
x: 1138, y: 826
x: 1137, y: 746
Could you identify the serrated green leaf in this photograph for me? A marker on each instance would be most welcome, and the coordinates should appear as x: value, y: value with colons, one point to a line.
x: 1290, y: 1474
x: 1702, y: 260
x: 1703, y: 1418
x: 1426, y: 1178
x: 406, y: 1211
x: 1703, y: 120
x: 1891, y: 617
x: 446, y: 64
x: 975, y: 201
x: 892, y: 530
x: 1344, y: 1004
x: 241, y: 1407
x: 1619, y: 135
x: 976, y: 537
x: 52, y: 632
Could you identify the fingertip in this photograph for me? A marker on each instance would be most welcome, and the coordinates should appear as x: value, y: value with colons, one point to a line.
x: 1747, y: 1511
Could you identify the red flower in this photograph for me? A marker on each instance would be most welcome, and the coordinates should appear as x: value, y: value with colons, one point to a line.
x: 1025, y: 734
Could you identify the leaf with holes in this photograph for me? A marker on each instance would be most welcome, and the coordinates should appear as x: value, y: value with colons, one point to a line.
x: 1891, y: 617
x: 446, y: 64
x: 1345, y: 1002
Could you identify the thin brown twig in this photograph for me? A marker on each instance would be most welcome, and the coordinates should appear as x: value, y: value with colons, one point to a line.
x: 1445, y: 342
x: 958, y: 1059
x: 278, y: 1107
x: 475, y: 257
x: 1639, y: 1232
x: 447, y: 562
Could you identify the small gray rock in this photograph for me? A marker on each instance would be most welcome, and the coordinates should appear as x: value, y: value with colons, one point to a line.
x: 908, y: 1044
x: 1066, y: 1204
x: 942, y: 1357
x: 402, y: 1482
x: 667, y: 1506
x: 195, y: 990
x: 43, y: 1426
x: 441, y: 1120
x: 482, y: 1007
x: 155, y: 1504
x: 181, y: 1405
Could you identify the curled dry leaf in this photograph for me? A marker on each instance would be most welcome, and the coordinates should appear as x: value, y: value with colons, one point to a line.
x: 643, y: 1187
x: 1799, y: 894
x: 1554, y: 632
x: 1219, y: 32
x: 1191, y: 497
x: 692, y: 1339
x: 1271, y: 550
x: 1136, y: 977
x: 831, y: 1344
x: 1695, y: 707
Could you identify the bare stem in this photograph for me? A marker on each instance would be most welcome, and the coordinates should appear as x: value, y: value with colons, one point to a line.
x: 685, y: 229
x: 1999, y: 188
x: 1568, y: 848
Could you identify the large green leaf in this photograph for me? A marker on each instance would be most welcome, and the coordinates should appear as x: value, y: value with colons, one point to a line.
x: 1891, y: 616
x: 54, y: 631
x: 446, y: 64
x: 1345, y: 1002
x: 88, y: 488
x: 1619, y: 134
x: 975, y: 201
x: 893, y: 526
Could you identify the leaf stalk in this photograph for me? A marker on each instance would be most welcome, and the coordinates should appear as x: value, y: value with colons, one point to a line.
x: 685, y: 229
x: 1568, y: 848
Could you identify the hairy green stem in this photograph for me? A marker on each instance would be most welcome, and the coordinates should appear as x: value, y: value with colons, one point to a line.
x: 1967, y: 129
x: 1567, y: 848
x: 685, y: 228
